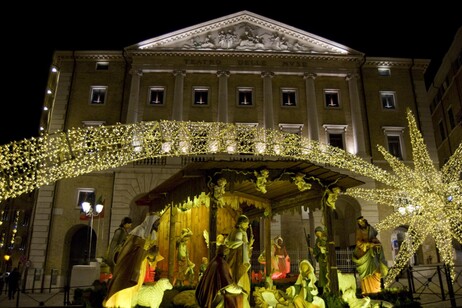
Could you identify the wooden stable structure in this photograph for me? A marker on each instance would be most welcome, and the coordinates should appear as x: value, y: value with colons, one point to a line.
x: 210, y: 194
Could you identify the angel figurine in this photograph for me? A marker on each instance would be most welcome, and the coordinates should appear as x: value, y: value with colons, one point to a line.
x: 261, y: 180
x: 300, y: 182
x: 332, y: 196
x: 219, y: 191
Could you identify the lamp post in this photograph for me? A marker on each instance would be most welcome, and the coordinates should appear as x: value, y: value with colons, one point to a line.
x: 91, y: 212
x: 6, y: 259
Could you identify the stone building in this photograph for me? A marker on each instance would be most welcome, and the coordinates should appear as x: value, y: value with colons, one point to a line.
x: 444, y: 95
x: 243, y: 69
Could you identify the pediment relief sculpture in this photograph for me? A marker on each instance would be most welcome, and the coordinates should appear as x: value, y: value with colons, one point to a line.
x: 244, y: 31
x: 244, y: 38
x: 247, y: 39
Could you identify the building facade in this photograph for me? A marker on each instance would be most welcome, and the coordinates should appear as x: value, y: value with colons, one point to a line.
x: 244, y: 69
x: 445, y: 97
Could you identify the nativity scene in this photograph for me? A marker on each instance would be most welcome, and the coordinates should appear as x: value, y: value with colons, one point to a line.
x: 239, y: 208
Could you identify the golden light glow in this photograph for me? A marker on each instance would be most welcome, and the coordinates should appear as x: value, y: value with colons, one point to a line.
x: 430, y: 200
x: 426, y: 200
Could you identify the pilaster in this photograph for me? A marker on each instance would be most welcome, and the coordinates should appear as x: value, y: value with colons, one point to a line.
x: 357, y: 122
x: 135, y: 107
x: 268, y: 112
x: 177, y: 111
x: 222, y: 115
x: 311, y: 109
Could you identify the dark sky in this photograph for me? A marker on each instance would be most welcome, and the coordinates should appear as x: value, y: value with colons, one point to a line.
x: 30, y: 36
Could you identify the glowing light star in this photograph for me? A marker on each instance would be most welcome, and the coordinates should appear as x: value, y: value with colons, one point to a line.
x: 426, y: 200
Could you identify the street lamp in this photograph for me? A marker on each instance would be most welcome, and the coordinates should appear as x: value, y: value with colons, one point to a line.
x: 89, y: 211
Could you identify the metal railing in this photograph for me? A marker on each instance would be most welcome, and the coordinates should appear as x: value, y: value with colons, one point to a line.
x: 431, y: 283
x: 427, y: 283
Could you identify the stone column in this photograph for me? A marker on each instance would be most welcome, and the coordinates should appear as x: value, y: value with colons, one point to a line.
x: 357, y: 123
x: 268, y: 112
x: 311, y: 110
x: 40, y: 240
x: 222, y: 114
x: 177, y: 110
x: 135, y: 107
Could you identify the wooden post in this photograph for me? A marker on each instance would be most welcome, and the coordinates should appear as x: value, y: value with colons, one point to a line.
x: 212, y: 228
x: 331, y: 255
x: 267, y: 248
x: 172, y: 243
x: 213, y: 212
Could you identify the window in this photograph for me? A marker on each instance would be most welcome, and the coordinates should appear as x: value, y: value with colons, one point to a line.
x: 394, y: 140
x: 98, y: 95
x: 85, y: 195
x: 335, y: 135
x: 452, y: 121
x: 442, y: 130
x: 201, y: 96
x: 156, y: 96
x: 93, y: 123
x: 336, y: 140
x: 102, y: 66
x: 291, y: 128
x: 91, y: 143
x: 199, y: 138
x: 293, y: 140
x: 289, y: 98
x: 384, y: 71
x: 388, y: 99
x: 394, y: 146
x: 246, y: 138
x: 331, y: 98
x: 244, y: 97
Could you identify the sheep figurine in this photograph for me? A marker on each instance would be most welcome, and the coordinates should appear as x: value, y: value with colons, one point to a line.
x: 151, y: 295
x: 346, y: 281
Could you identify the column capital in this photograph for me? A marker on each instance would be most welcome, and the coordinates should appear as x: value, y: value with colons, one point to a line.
x: 349, y: 77
x: 267, y: 74
x: 223, y: 73
x: 179, y: 72
x: 309, y: 76
x: 136, y: 71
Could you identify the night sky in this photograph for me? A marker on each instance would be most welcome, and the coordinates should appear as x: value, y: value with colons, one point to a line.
x: 29, y: 38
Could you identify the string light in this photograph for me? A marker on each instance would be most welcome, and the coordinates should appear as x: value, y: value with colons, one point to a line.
x: 435, y: 195
x: 29, y: 164
x: 426, y: 200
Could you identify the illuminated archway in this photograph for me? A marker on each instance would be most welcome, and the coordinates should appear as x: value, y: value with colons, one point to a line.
x: 30, y: 164
x: 427, y: 200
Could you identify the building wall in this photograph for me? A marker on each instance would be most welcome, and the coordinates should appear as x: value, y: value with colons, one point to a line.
x: 444, y: 94
x: 129, y: 78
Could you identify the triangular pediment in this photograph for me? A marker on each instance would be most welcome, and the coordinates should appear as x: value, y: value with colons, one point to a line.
x: 244, y: 31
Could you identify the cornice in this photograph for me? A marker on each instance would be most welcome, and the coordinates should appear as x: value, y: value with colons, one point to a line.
x: 397, y: 62
x: 228, y: 54
x: 91, y: 55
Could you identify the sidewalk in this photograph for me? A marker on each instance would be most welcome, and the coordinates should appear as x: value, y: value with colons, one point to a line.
x: 32, y: 300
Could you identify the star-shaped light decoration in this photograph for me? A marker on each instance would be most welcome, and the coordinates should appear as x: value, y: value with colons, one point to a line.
x: 426, y: 200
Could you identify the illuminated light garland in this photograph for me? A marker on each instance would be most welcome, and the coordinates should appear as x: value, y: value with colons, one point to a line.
x: 426, y: 200
x: 30, y: 164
